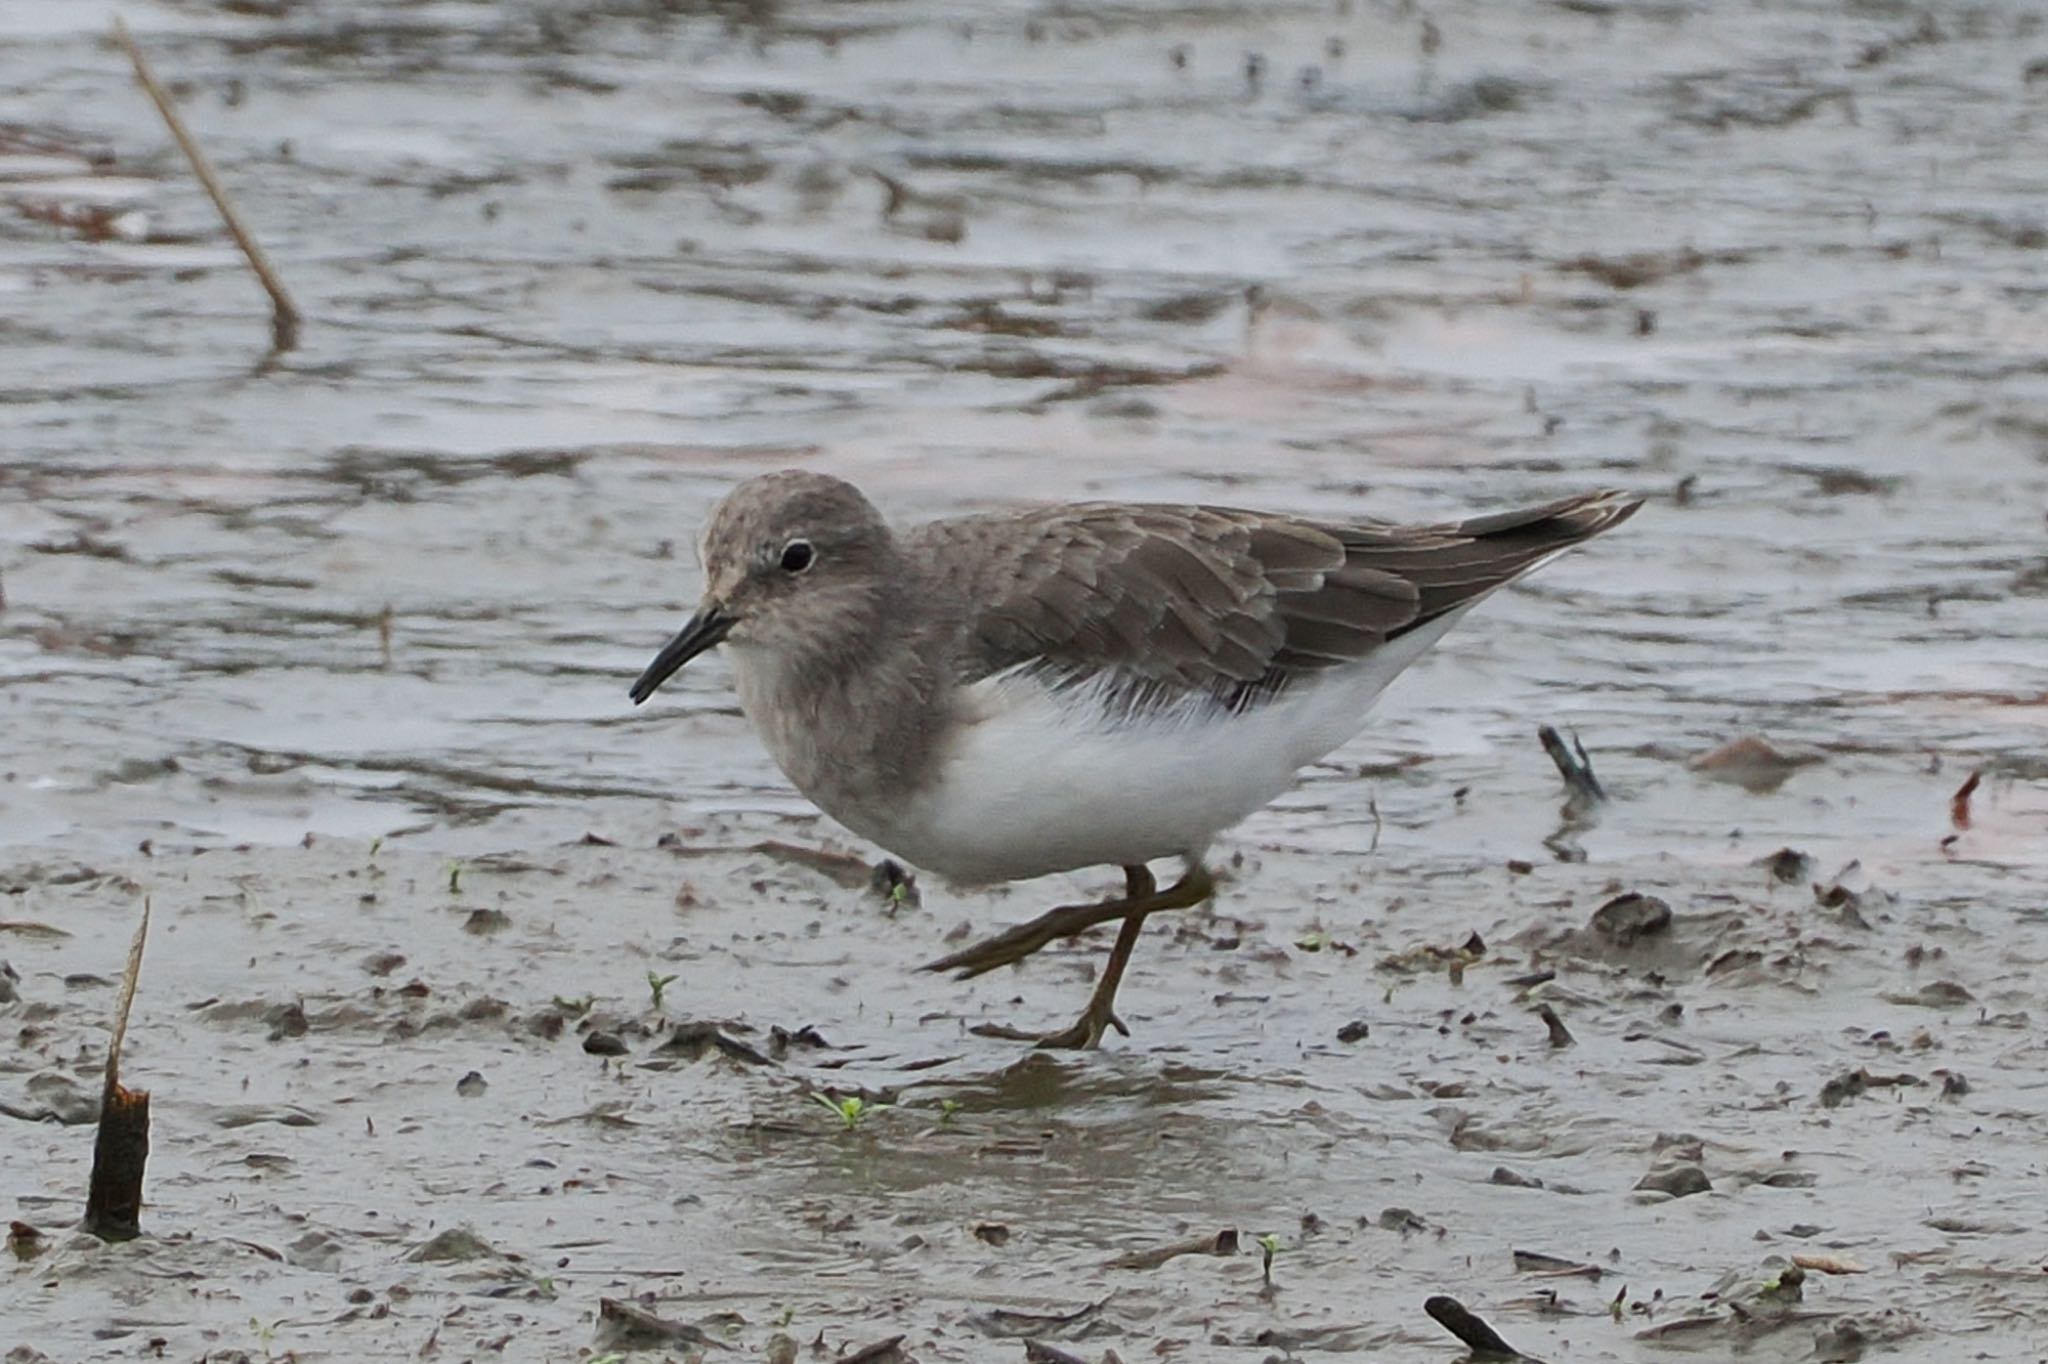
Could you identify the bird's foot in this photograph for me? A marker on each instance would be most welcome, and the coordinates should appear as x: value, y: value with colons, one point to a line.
x: 1084, y: 1034
x: 1015, y: 944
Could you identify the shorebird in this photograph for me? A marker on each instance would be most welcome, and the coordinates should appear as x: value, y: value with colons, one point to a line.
x: 1010, y: 694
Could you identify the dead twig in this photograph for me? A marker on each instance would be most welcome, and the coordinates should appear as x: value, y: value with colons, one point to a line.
x: 1222, y: 1243
x: 1560, y: 1035
x: 1959, y: 803
x: 284, y: 316
x: 120, y: 1150
x: 1482, y: 1340
x: 1573, y: 765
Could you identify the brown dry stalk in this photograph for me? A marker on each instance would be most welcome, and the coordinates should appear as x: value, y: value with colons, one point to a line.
x: 284, y: 316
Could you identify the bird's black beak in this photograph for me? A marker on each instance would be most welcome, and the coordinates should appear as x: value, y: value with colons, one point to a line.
x: 701, y: 632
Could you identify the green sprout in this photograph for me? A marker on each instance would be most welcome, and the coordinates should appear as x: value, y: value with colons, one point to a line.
x: 947, y: 1109
x: 1315, y: 940
x: 375, y: 844
x: 655, y: 985
x: 575, y: 1008
x: 455, y: 878
x: 1269, y: 1246
x: 851, y: 1110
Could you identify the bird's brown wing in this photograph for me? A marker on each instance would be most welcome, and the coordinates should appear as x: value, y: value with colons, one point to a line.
x: 1169, y: 601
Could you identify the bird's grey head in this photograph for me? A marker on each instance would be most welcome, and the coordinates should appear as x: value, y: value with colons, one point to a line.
x: 794, y: 563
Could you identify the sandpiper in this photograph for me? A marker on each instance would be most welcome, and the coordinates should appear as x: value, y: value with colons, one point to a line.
x: 1016, y: 693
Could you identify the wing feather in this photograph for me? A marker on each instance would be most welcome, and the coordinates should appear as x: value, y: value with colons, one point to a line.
x: 1167, y: 603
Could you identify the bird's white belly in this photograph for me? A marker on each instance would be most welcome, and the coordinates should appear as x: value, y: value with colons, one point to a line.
x: 1037, y: 781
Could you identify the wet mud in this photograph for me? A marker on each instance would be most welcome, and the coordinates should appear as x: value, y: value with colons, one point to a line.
x: 487, y: 1016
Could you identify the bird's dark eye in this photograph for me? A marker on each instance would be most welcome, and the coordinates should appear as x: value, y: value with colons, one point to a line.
x: 797, y: 556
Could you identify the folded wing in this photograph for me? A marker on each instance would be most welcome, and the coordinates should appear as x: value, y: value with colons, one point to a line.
x: 1164, y: 604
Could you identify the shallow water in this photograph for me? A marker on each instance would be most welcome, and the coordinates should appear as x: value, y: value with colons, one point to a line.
x: 570, y: 271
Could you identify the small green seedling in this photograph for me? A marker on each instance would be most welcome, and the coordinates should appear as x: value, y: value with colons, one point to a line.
x: 655, y: 985
x: 1269, y: 1246
x: 575, y: 1008
x: 375, y: 844
x: 455, y: 878
x: 1315, y: 940
x: 947, y: 1109
x: 851, y: 1110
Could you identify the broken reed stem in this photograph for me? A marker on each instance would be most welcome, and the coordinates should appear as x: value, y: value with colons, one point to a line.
x: 1560, y: 1035
x: 1482, y: 1340
x: 120, y: 1150
x: 1573, y: 765
x: 284, y: 316
x: 129, y: 975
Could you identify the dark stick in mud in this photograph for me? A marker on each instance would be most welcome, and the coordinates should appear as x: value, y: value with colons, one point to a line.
x: 284, y: 316
x: 1482, y: 1340
x: 1573, y: 765
x: 113, y: 1199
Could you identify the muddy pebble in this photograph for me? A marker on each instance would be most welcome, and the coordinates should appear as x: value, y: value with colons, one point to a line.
x: 316, y: 1250
x: 24, y: 1241
x: 454, y: 1245
x: 1939, y: 994
x: 53, y: 1096
x: 628, y: 1326
x: 286, y: 1020
x: 1354, y: 1031
x: 1504, y: 1176
x: 1788, y: 865
x: 605, y: 1044
x: 1626, y: 918
x: 486, y: 921
x: 1678, y: 1181
x: 1751, y: 763
x: 471, y: 1085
